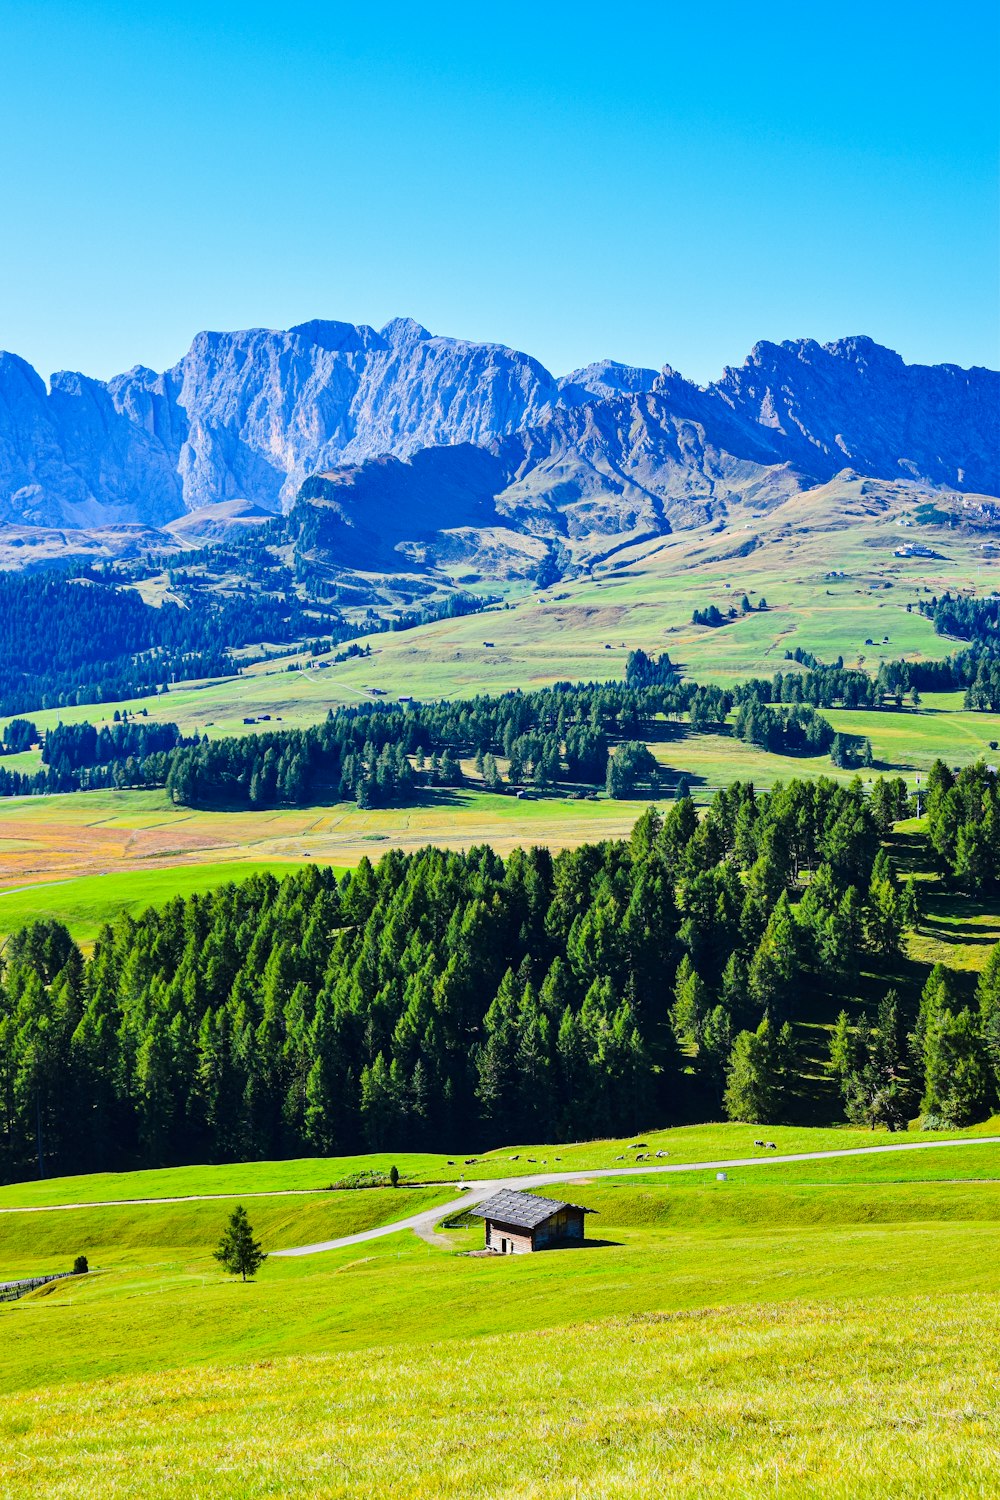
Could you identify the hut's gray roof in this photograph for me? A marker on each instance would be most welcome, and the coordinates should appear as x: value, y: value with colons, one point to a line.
x: 523, y: 1210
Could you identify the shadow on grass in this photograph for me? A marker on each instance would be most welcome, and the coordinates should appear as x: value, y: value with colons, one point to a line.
x: 909, y: 852
x: 957, y: 937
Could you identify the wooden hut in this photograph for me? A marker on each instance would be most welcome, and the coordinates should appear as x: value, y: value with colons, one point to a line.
x: 518, y: 1223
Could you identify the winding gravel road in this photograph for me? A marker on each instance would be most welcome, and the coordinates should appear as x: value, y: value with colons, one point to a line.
x: 423, y: 1223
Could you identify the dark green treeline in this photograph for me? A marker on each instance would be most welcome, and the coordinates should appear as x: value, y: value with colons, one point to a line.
x: 448, y: 1000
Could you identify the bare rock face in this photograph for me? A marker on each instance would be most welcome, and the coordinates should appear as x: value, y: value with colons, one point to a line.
x: 605, y: 378
x: 244, y: 418
x: 67, y: 457
x: 855, y: 404
x: 638, y: 456
x: 247, y: 416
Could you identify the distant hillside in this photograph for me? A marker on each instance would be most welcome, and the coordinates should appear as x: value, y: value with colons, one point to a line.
x: 244, y: 418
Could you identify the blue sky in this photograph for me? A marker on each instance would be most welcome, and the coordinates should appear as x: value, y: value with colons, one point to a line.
x: 651, y: 182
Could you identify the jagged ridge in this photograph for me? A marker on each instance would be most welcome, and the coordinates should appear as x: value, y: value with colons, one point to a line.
x: 248, y: 416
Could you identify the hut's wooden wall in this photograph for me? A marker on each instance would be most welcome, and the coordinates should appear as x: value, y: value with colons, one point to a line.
x: 563, y: 1226
x: 519, y: 1241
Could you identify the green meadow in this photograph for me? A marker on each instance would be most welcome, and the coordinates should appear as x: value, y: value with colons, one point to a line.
x: 833, y: 586
x: 583, y: 629
x: 84, y: 856
x: 86, y: 903
x: 848, y: 1398
x: 684, y: 1145
x: 801, y: 1328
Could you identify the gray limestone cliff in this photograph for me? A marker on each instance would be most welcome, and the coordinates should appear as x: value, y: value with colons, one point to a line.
x: 246, y: 417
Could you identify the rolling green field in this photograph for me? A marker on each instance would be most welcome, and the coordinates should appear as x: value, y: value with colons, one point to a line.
x: 582, y: 630
x: 578, y: 630
x: 803, y: 1328
x: 86, y: 903
x: 136, y: 1235
x: 847, y: 1398
x: 45, y: 840
x: 685, y: 1144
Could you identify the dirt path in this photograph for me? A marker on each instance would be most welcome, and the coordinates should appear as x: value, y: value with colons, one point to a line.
x: 423, y: 1223
x: 474, y: 1192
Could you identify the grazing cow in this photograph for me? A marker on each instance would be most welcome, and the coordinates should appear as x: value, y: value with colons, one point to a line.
x: 758, y: 1143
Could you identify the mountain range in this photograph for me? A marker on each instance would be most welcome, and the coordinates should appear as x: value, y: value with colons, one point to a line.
x: 400, y: 450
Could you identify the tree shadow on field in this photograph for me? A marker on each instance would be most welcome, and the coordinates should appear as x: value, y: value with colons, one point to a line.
x: 435, y: 796
x: 909, y: 853
x: 665, y: 732
x: 958, y: 937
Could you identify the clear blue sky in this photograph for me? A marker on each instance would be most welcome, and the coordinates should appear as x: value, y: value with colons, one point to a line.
x: 652, y: 182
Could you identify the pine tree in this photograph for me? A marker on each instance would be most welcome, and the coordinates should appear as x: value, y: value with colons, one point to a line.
x: 988, y: 998
x: 774, y: 968
x: 958, y: 1089
x: 757, y: 1079
x: 716, y: 1045
x: 238, y: 1252
x: 690, y: 1003
x: 909, y: 905
x: 843, y: 1048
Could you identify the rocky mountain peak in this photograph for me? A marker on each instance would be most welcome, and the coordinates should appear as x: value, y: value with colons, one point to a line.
x: 606, y: 377
x: 246, y: 416
x: 404, y: 331
x: 336, y: 338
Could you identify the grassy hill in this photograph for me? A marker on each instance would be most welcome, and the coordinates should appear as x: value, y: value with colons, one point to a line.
x: 86, y: 903
x: 826, y: 564
x: 830, y: 576
x: 810, y: 1327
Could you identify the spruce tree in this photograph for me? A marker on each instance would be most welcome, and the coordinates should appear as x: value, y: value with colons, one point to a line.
x: 958, y: 1088
x: 238, y: 1252
x: 988, y: 996
x: 758, y: 1076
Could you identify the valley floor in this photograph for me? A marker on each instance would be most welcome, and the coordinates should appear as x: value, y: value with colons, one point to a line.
x: 803, y: 1327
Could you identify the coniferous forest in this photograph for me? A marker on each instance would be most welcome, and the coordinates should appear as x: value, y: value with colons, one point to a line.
x: 442, y: 998
x: 68, y: 640
x: 378, y: 753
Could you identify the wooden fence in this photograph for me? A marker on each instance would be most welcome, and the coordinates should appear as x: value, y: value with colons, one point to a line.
x: 11, y: 1290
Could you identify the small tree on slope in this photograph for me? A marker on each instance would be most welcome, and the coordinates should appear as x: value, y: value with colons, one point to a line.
x: 238, y: 1252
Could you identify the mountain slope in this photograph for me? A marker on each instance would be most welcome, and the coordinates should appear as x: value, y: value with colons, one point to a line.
x: 244, y: 418
x: 620, y: 467
x: 854, y: 403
